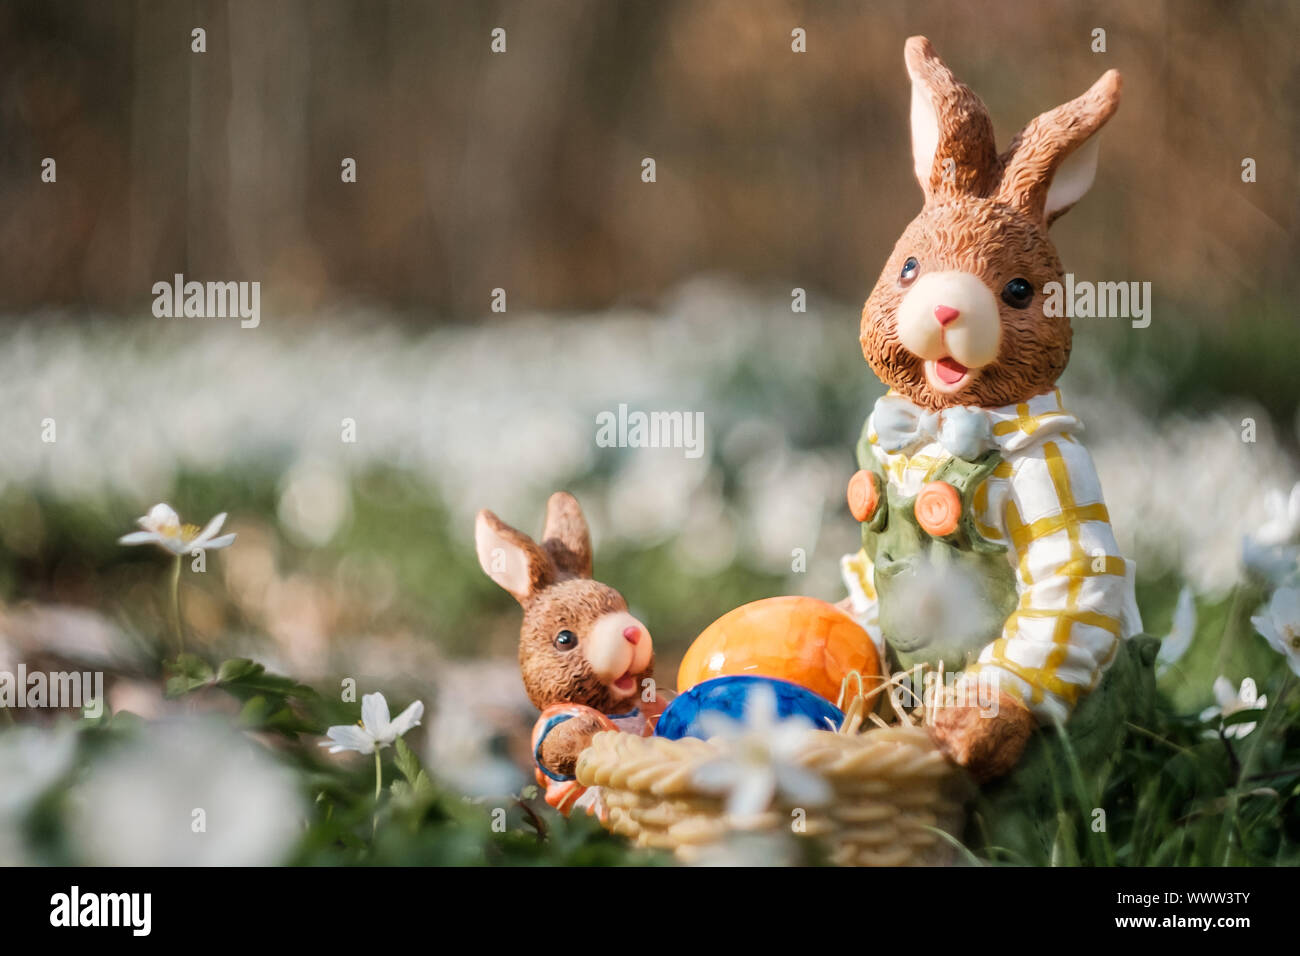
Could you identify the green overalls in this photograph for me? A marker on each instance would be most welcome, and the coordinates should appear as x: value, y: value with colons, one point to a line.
x: 900, y: 549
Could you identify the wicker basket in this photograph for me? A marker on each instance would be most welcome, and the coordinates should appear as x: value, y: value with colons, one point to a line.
x: 890, y: 786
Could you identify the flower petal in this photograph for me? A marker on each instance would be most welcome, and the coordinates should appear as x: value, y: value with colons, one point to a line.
x: 213, y: 526
x: 1264, y: 625
x: 216, y: 544
x: 1285, y: 606
x: 374, y: 715
x: 203, y: 541
x: 1239, y: 730
x: 1224, y: 693
x: 1179, y: 638
x: 161, y: 516
x: 406, y: 720
x: 715, y: 724
x: 790, y: 736
x: 760, y: 709
x: 752, y: 793
x: 801, y: 787
x: 139, y: 537
x: 716, y: 776
x: 349, y: 737
x: 1249, y: 693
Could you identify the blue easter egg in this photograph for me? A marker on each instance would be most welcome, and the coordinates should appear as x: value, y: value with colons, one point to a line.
x: 730, y: 693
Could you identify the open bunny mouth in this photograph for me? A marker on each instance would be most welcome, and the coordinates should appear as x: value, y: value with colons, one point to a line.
x: 625, y: 684
x: 947, y: 374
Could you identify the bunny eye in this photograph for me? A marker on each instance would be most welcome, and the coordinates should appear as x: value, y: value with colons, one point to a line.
x: 910, y: 270
x: 566, y: 640
x: 1018, y: 293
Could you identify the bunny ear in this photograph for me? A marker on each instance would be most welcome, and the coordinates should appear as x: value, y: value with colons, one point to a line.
x: 1051, y: 163
x: 953, y: 149
x: 511, y: 558
x: 566, y: 538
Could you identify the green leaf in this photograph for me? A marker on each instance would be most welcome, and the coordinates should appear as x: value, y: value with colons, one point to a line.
x: 245, y: 678
x: 423, y: 785
x: 186, y: 673
x: 409, y: 766
x: 238, y: 668
x: 254, y: 712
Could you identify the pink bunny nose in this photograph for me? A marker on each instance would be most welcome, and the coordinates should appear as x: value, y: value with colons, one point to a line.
x: 632, y: 633
x: 945, y: 314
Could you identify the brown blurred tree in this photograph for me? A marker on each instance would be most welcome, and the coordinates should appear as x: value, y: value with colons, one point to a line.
x: 521, y: 169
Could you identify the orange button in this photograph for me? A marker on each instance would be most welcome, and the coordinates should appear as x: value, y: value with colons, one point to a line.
x: 938, y: 508
x: 864, y: 497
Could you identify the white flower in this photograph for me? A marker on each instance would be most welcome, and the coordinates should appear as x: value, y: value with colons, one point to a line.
x: 1183, y: 629
x: 162, y: 526
x: 748, y: 848
x: 1231, y: 702
x: 945, y: 599
x: 759, y: 759
x: 1283, y: 524
x: 376, y: 731
x: 1273, y: 550
x: 189, y: 792
x: 1279, y: 622
x: 477, y: 706
x: 32, y: 760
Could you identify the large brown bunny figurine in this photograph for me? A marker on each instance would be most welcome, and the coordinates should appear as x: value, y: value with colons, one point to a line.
x: 585, y: 659
x: 987, y: 547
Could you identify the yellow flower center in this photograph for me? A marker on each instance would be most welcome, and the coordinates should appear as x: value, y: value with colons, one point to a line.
x: 189, y: 532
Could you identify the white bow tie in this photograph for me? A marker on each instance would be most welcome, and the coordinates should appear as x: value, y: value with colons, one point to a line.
x: 963, y: 431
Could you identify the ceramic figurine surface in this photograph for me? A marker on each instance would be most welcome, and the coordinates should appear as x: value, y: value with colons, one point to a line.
x: 583, y: 656
x: 987, y: 546
x: 798, y: 639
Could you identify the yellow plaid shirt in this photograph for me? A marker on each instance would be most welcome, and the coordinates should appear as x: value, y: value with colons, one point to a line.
x: 1044, y: 503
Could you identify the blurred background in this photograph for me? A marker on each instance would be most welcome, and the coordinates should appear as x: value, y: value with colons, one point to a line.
x: 521, y: 171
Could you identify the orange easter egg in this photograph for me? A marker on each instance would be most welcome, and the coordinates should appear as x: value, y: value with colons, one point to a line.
x: 800, y: 639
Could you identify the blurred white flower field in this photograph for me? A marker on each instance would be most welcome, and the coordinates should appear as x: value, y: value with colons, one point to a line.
x: 351, y: 454
x: 502, y: 413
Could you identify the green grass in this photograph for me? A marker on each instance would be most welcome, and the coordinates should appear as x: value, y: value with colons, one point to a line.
x: 1171, y: 796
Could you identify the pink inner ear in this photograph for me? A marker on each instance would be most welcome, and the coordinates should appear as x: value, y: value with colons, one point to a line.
x: 1073, y: 178
x: 502, y: 560
x: 925, y: 134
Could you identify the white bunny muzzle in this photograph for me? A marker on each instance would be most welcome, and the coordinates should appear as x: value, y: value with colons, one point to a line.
x: 950, y: 320
x: 618, y: 647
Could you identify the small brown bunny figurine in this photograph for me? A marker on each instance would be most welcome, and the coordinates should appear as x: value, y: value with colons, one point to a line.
x: 584, y: 658
x: 987, y: 548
